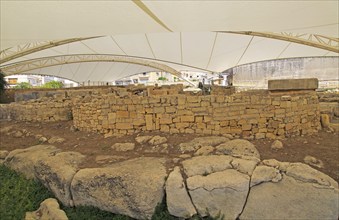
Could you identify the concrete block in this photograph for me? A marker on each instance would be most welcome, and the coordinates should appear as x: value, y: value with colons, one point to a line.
x: 293, y: 84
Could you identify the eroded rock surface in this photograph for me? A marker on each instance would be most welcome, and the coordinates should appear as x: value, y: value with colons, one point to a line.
x: 199, y: 142
x: 23, y: 160
x: 56, y: 173
x: 49, y: 209
x: 290, y: 199
x: 239, y: 148
x: 178, y: 201
x: 221, y: 193
x: 204, y: 165
x: 123, y: 146
x: 133, y: 187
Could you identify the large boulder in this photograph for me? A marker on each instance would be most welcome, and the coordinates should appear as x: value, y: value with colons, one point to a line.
x: 23, y: 160
x: 49, y: 209
x: 178, y: 201
x: 301, y: 193
x: 133, y: 187
x: 219, y: 194
x: 239, y: 148
x: 56, y: 173
x: 199, y: 142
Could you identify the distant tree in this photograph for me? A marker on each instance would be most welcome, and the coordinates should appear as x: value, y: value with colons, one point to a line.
x: 162, y: 78
x: 3, y: 82
x: 23, y: 85
x: 53, y: 85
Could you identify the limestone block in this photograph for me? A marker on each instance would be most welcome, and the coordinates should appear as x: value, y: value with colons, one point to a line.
x: 293, y: 84
x: 56, y: 173
x: 221, y: 193
x: 178, y: 201
x: 23, y: 160
x: 204, y: 165
x: 49, y: 209
x: 239, y: 148
x: 124, y: 126
x: 187, y: 118
x: 133, y: 187
x: 149, y: 122
x: 192, y: 99
x: 291, y: 199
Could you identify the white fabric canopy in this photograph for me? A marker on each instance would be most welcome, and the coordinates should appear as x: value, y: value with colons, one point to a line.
x: 183, y: 35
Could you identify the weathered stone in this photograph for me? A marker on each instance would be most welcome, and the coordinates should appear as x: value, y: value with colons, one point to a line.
x: 201, y: 142
x: 56, y: 173
x: 178, y: 201
x: 291, y: 199
x: 156, y: 140
x: 305, y: 173
x: 49, y: 209
x: 222, y: 193
x: 43, y: 139
x: 58, y: 140
x: 325, y: 120
x: 132, y: 187
x: 23, y: 160
x: 108, y: 158
x: 123, y: 147
x: 276, y: 164
x: 205, y: 150
x: 265, y: 174
x: 18, y: 134
x: 3, y: 154
x: 239, y: 148
x: 313, y: 161
x: 293, y: 84
x: 143, y: 139
x: 277, y: 145
x: 204, y: 165
x: 244, y: 166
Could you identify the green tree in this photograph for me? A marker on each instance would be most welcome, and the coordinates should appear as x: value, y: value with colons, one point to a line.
x: 53, y: 85
x: 23, y: 85
x: 162, y: 78
x: 3, y: 82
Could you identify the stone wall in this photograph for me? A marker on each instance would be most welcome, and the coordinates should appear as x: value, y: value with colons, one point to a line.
x: 254, y: 114
x: 38, y: 110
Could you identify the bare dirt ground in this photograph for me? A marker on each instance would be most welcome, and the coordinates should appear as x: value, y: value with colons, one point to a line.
x: 323, y: 145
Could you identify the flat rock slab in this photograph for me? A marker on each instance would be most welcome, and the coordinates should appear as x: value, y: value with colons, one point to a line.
x: 132, y: 187
x: 204, y: 165
x: 293, y: 84
x: 222, y: 193
x: 23, y: 160
x: 123, y: 147
x: 291, y: 199
x: 239, y: 148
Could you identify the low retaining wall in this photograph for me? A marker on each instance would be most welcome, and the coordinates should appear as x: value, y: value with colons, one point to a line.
x: 38, y: 110
x: 255, y: 114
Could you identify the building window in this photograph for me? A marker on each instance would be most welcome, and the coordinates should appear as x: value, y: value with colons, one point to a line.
x: 12, y: 81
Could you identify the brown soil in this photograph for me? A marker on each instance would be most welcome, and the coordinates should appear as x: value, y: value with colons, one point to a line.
x: 323, y: 145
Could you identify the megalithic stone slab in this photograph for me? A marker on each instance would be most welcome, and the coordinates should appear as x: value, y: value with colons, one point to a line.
x: 293, y: 84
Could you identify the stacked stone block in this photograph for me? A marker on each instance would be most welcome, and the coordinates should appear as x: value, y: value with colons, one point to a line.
x: 257, y: 114
x: 47, y: 110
